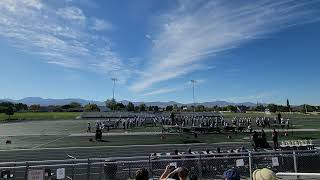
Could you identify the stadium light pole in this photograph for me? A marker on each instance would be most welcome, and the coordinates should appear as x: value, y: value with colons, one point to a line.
x: 194, y: 102
x: 114, y: 84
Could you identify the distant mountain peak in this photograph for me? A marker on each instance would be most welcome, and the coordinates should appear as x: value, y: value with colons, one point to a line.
x: 49, y: 101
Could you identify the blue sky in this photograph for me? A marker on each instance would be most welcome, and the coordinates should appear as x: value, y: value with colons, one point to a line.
x: 238, y: 51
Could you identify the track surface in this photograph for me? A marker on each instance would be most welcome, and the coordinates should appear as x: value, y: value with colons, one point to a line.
x: 105, y: 151
x: 110, y: 151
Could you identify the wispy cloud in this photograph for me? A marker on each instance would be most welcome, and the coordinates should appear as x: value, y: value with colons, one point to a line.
x: 259, y: 97
x: 101, y: 25
x: 72, y: 13
x: 60, y: 36
x: 180, y: 87
x: 196, y: 31
x: 160, y: 91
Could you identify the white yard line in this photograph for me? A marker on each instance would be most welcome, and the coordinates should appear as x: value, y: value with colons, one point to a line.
x: 36, y: 147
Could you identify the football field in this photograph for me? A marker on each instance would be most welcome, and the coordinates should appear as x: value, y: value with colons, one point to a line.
x: 56, y: 139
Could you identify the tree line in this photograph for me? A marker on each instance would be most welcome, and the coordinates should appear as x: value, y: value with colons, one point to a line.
x: 10, y: 108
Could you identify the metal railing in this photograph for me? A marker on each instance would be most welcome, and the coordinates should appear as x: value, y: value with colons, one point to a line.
x: 210, y: 166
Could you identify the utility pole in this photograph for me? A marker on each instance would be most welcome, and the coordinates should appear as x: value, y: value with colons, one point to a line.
x: 194, y: 103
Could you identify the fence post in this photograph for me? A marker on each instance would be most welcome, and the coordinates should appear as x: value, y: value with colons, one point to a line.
x: 101, y: 169
x: 26, y: 173
x: 200, y: 167
x: 88, y: 170
x: 150, y: 166
x: 72, y: 170
x: 14, y: 171
x: 295, y: 162
x: 250, y: 164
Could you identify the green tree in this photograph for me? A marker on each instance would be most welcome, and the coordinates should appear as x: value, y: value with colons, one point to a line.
x: 232, y: 108
x: 142, y: 107
x: 175, y: 107
x: 260, y: 107
x: 303, y: 109
x: 130, y: 106
x: 200, y: 108
x: 310, y: 108
x: 75, y: 105
x: 169, y: 108
x: 119, y: 106
x: 111, y: 104
x: 21, y: 107
x: 288, y: 105
x: 34, y: 108
x: 156, y: 108
x: 9, y: 111
x: 6, y: 104
x: 91, y: 108
x: 272, y: 108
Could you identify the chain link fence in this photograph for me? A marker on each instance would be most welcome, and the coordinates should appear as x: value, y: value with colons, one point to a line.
x: 206, y: 167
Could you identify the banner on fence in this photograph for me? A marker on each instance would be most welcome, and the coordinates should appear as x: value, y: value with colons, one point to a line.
x: 239, y: 162
x: 35, y: 174
x: 275, y: 161
x: 61, y: 173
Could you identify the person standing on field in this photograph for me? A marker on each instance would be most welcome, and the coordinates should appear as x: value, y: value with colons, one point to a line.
x: 275, y: 139
x: 89, y: 128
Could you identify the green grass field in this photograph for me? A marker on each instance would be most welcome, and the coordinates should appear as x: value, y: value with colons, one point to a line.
x: 53, y: 129
x: 67, y: 141
x: 40, y: 115
x: 299, y: 120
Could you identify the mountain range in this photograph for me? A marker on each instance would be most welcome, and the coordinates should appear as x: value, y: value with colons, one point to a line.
x: 58, y: 102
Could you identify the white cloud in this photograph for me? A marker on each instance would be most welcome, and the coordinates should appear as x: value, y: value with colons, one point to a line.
x: 101, y: 25
x: 196, y: 31
x: 13, y: 5
x: 72, y: 13
x: 260, y: 97
x: 148, y: 36
x: 160, y: 91
x: 57, y: 37
x: 158, y: 76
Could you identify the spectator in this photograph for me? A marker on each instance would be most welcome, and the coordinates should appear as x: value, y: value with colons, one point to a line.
x: 142, y: 174
x: 89, y: 128
x: 275, y: 139
x: 208, y: 151
x: 218, y: 150
x: 176, y: 153
x: 231, y: 174
x: 169, y: 173
x: 193, y: 177
x: 189, y: 151
x: 264, y: 174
